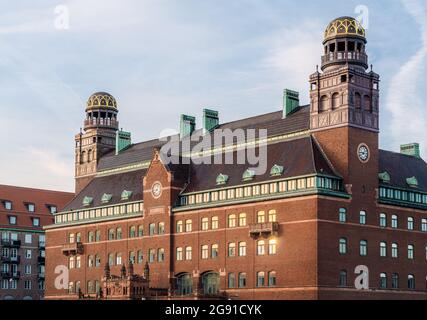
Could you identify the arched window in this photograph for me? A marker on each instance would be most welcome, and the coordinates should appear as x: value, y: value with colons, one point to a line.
x: 242, y: 220
x: 261, y: 247
x: 140, y: 231
x: 78, y: 287
x: 97, y: 260
x: 71, y: 289
x: 363, y: 248
x: 161, y: 255
x: 78, y: 262
x: 272, y: 279
x: 205, y: 252
x: 342, y: 215
x: 232, y: 221
x: 111, y: 259
x: 261, y: 217
x: 90, y: 287
x: 152, y: 229
x: 362, y: 217
x: 184, y: 284
x: 210, y: 283
x: 394, y: 222
x: 242, y: 249
x: 179, y: 256
x: 231, y: 280
x: 119, y: 234
x: 179, y: 227
x: 188, y: 225
x: 98, y: 235
x: 71, y: 263
x: 336, y: 100
x: 383, y: 281
x: 260, y: 276
x: 323, y: 105
x: 89, y: 155
x: 343, y: 246
x: 383, y: 220
x: 383, y: 249
x: 78, y: 237
x: 410, y: 223
x: 90, y: 237
x: 119, y: 259
x: 394, y: 250
x: 232, y: 249
x: 111, y: 234
x: 410, y: 252
x: 90, y: 261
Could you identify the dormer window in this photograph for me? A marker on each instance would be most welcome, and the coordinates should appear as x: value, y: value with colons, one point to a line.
x: 248, y: 175
x: 277, y: 170
x: 106, y: 198
x: 384, y: 177
x: 87, y: 201
x: 7, y: 205
x: 53, y: 209
x: 126, y: 195
x: 221, y: 179
x: 412, y: 182
x: 30, y: 207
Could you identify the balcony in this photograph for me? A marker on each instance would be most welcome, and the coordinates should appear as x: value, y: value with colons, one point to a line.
x: 41, y: 260
x: 11, y: 243
x: 264, y: 229
x: 10, y: 275
x: 344, y: 57
x: 72, y: 249
x: 14, y: 260
x: 100, y: 122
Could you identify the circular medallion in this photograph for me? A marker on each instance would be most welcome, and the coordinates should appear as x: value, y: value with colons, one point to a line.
x: 363, y: 153
x: 156, y: 190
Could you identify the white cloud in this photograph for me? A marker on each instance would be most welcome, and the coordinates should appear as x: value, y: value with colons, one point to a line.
x: 404, y: 100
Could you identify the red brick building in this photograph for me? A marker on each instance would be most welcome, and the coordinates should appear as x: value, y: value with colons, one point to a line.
x: 329, y: 201
x: 23, y: 213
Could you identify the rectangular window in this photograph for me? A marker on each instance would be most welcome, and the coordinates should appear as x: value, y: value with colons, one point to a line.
x: 8, y: 205
x: 28, y: 238
x: 31, y: 207
x: 362, y: 217
x: 36, y: 222
x: 12, y: 220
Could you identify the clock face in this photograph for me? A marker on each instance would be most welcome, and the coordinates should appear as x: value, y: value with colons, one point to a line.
x: 363, y: 153
x: 156, y: 190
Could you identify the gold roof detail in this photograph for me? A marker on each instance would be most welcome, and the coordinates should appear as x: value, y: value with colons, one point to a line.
x: 102, y: 100
x: 344, y: 26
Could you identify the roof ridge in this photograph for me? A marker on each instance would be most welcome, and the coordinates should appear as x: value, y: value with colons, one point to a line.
x: 34, y: 189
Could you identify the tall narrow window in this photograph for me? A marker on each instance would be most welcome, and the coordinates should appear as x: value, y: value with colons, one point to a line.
x: 232, y: 221
x: 179, y: 256
x: 343, y: 246
x: 383, y: 220
x: 394, y: 250
x: 411, y: 282
x: 394, y: 222
x: 410, y: 252
x: 161, y: 228
x: 363, y: 248
x: 261, y: 217
x: 383, y: 281
x: 232, y: 249
x: 261, y: 248
x: 343, y: 215
x: 179, y: 227
x: 343, y: 278
x: 260, y: 279
x: 362, y: 217
x: 395, y: 281
x: 383, y: 249
x: 188, y: 253
x: 242, y: 280
x: 272, y: 246
x: 272, y: 216
x: 424, y: 225
x: 410, y: 223
x: 214, y: 253
x: 215, y: 223
x: 242, y: 249
x: 188, y: 225
x: 242, y: 220
x: 205, y: 252
x: 231, y: 280
x: 272, y: 279
x: 205, y: 224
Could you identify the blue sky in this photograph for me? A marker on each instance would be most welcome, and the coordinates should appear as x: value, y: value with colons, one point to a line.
x: 161, y: 58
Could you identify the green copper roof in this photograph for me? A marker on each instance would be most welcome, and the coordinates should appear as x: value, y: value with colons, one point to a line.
x: 222, y: 179
x: 277, y: 170
x: 412, y: 182
x: 384, y: 177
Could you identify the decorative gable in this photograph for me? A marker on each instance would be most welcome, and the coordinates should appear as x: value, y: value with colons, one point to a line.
x: 412, y: 182
x: 384, y: 177
x: 277, y: 170
x: 248, y: 175
x: 221, y: 179
x: 126, y: 195
x: 87, y: 201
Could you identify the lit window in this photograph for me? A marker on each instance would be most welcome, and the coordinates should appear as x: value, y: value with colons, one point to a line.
x: 205, y: 252
x: 242, y: 249
x: 215, y: 223
x: 272, y: 216
x: 28, y: 238
x: 261, y: 217
x: 90, y: 261
x: 53, y: 209
x: 242, y: 220
x: 232, y: 221
x: 188, y: 225
x: 261, y: 248
x: 71, y: 263
x: 179, y: 227
x: 161, y: 228
x: 205, y: 224
x: 118, y: 259
x: 188, y: 253
x: 232, y: 249
x: 272, y: 247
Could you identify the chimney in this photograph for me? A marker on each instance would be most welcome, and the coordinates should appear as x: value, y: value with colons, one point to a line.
x: 290, y: 102
x: 411, y: 149
x: 210, y: 120
x: 123, y: 141
x: 187, y: 125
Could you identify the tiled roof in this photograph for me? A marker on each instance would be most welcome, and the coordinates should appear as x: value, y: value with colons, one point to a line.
x: 20, y: 196
x: 113, y: 185
x: 272, y: 122
x: 401, y: 167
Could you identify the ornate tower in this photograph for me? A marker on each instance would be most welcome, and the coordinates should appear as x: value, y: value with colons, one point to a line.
x: 97, y: 138
x: 344, y: 93
x: 344, y: 109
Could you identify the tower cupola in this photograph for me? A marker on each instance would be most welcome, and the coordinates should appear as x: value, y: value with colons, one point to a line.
x: 101, y: 112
